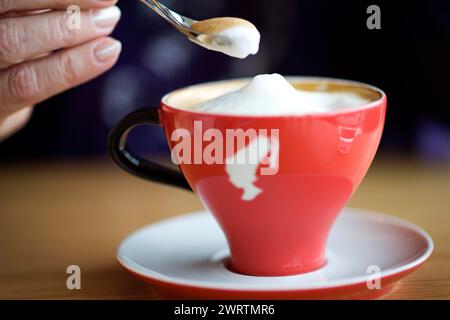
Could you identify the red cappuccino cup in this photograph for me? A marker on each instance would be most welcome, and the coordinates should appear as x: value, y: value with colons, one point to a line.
x: 274, y: 183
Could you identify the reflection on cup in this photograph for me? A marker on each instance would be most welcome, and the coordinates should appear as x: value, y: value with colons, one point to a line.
x: 349, y: 127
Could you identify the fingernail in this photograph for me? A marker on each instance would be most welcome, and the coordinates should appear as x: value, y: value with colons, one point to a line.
x: 107, y: 17
x: 107, y: 49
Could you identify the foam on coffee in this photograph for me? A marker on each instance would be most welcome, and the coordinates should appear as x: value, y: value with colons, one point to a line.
x: 272, y: 94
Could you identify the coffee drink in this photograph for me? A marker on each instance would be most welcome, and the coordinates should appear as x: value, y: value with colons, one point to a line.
x: 272, y: 94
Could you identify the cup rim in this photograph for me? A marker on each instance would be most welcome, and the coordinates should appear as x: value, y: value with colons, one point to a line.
x: 343, y: 111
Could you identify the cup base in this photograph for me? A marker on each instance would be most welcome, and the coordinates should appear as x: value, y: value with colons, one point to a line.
x: 273, y: 272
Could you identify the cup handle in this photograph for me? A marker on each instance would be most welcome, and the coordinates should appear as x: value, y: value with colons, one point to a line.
x: 134, y: 164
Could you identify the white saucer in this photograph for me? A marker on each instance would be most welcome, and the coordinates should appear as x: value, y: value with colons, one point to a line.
x: 184, y: 256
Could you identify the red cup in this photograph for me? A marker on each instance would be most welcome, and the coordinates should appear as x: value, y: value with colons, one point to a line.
x: 279, y: 223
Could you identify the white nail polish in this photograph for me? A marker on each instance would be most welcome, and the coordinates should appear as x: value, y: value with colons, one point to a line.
x: 105, y: 18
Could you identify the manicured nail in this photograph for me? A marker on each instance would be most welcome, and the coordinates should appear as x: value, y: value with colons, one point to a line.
x: 107, y: 17
x: 107, y: 49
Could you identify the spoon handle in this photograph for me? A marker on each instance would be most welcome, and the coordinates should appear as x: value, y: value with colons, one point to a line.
x: 177, y: 20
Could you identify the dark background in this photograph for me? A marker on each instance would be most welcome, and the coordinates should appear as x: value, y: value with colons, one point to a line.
x: 408, y: 58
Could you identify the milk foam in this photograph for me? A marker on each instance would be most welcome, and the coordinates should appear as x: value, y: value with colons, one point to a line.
x: 237, y: 41
x: 272, y: 94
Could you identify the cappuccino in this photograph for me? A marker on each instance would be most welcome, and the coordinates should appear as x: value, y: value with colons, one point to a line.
x: 272, y: 94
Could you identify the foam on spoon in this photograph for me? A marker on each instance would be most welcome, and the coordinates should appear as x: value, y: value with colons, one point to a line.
x: 233, y: 36
x: 272, y: 94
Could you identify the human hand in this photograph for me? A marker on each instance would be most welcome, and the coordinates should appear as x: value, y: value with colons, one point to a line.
x: 41, y: 56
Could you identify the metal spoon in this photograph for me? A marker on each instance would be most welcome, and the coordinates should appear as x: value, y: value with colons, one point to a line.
x: 181, y: 23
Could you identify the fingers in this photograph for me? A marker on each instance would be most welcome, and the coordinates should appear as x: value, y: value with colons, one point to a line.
x: 25, y: 5
x: 21, y: 14
x: 34, y: 81
x: 30, y: 36
x: 14, y: 122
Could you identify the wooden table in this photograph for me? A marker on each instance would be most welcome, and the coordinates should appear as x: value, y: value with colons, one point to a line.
x: 55, y: 214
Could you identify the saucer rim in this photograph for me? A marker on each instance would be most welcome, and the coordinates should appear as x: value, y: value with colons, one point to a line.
x: 392, y: 273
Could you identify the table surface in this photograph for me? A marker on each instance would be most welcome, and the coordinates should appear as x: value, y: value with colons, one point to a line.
x: 56, y: 214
